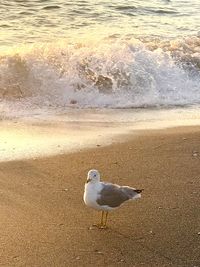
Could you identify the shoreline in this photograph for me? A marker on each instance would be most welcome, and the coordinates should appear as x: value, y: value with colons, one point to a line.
x: 44, y: 221
x: 50, y: 135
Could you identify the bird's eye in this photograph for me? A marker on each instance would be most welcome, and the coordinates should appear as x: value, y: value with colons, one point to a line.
x: 95, y: 175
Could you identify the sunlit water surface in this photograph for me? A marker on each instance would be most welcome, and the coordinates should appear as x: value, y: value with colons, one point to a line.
x: 91, y: 70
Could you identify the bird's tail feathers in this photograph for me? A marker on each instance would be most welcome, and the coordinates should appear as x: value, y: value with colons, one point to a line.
x: 139, y: 190
x: 137, y: 193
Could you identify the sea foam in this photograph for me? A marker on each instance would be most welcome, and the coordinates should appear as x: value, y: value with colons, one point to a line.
x: 112, y: 72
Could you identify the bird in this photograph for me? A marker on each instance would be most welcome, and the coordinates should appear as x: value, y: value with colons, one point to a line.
x: 105, y: 197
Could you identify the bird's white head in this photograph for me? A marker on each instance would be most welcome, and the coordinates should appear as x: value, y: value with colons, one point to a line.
x: 93, y: 176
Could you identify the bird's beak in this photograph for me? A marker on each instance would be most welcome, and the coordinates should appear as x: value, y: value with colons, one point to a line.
x: 88, y: 180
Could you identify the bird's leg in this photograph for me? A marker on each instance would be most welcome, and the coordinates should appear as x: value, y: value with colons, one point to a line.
x: 103, y: 220
x: 102, y: 224
x: 106, y: 217
x: 102, y: 215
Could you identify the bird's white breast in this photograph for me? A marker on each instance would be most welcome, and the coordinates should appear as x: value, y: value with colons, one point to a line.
x: 91, y: 194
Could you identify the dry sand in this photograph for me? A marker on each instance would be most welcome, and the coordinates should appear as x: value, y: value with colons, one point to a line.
x: 44, y: 221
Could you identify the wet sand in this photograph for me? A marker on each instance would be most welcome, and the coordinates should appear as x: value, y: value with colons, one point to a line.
x: 44, y: 221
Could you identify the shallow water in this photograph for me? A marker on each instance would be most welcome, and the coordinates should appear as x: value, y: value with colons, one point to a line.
x: 36, y: 136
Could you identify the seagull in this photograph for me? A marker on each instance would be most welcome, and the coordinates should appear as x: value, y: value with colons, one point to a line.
x: 105, y: 196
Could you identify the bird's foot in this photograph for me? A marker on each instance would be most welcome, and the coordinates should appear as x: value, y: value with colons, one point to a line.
x: 100, y: 226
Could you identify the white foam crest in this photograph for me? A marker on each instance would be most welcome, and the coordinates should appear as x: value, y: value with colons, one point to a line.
x: 115, y: 73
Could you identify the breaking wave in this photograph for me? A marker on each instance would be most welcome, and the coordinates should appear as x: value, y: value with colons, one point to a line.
x: 113, y: 72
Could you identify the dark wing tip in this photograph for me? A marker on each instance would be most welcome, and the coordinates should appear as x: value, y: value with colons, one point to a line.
x: 139, y: 190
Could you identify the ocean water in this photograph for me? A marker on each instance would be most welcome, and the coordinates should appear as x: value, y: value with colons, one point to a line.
x: 59, y: 55
x: 76, y: 74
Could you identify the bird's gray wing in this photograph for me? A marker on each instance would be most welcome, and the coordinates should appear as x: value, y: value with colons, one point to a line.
x: 112, y: 195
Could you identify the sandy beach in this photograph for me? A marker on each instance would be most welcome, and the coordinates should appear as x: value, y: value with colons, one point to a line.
x: 44, y: 221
